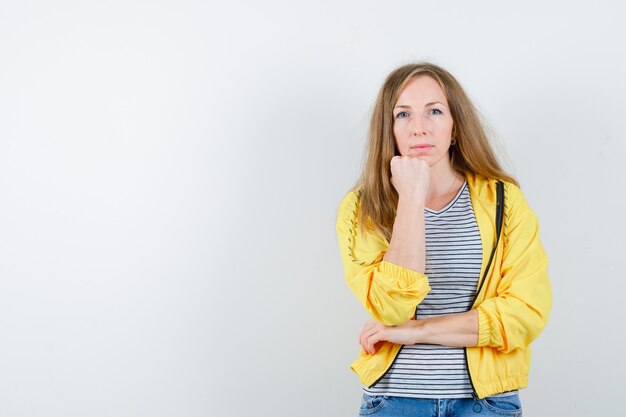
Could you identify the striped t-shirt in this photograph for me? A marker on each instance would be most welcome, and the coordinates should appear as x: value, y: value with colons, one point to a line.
x: 453, y: 261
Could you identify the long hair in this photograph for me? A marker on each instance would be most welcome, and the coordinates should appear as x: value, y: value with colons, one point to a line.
x: 472, y: 152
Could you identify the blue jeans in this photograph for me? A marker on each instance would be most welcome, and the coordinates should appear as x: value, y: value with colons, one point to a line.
x: 387, y: 406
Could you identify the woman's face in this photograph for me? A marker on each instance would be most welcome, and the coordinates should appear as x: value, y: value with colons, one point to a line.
x: 422, y: 123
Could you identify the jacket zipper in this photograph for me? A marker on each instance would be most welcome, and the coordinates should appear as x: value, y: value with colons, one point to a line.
x: 388, y: 368
x: 499, y: 219
x: 469, y: 373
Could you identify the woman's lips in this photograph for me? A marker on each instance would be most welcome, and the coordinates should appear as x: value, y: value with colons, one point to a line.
x: 422, y: 148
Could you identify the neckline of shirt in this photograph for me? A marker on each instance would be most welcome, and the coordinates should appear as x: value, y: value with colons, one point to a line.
x: 450, y: 204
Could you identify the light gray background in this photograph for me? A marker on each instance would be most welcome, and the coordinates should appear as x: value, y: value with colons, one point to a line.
x: 170, y: 173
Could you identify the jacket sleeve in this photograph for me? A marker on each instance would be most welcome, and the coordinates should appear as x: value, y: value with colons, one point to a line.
x: 519, y: 312
x: 390, y: 293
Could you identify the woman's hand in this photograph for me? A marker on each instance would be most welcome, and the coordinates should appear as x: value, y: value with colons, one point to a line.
x: 374, y: 332
x: 410, y: 177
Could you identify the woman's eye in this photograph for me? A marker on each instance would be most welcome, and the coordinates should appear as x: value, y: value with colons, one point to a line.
x: 435, y: 111
x: 402, y: 114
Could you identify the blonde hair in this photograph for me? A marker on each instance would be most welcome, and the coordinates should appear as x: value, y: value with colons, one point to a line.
x: 472, y: 152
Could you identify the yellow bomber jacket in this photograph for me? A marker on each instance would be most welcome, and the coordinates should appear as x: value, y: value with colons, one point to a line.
x: 513, y: 304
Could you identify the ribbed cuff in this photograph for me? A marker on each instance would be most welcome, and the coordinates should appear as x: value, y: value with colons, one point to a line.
x: 406, y: 276
x: 484, y: 328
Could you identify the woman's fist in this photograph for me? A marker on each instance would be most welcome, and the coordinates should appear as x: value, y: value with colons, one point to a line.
x: 410, y: 177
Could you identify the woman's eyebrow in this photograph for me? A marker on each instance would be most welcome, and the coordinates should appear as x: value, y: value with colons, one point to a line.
x: 404, y: 106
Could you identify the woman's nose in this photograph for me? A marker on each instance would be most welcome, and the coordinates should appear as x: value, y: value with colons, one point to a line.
x: 419, y: 126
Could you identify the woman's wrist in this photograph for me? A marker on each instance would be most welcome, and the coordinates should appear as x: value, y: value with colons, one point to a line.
x: 411, y: 201
x: 419, y: 330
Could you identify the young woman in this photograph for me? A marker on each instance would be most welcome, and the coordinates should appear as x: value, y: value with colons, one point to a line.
x: 443, y: 251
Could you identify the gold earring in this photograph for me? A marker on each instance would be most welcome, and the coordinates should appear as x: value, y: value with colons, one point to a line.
x: 453, y: 141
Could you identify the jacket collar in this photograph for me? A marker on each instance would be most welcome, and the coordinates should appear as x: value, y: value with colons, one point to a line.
x: 481, y: 188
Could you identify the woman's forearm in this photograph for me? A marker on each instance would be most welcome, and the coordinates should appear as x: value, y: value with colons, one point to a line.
x: 407, y: 245
x: 459, y: 330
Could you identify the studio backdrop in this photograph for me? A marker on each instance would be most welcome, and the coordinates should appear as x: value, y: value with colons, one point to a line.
x: 170, y: 173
